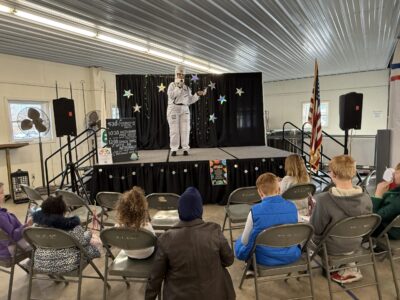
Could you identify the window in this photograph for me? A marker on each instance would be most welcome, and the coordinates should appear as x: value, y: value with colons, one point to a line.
x: 324, y: 113
x: 21, y: 116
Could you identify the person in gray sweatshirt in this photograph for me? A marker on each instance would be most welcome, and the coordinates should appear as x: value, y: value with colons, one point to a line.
x: 341, y: 201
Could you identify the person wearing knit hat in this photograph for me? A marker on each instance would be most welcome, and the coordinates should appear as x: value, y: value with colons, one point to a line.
x: 190, y: 205
x: 192, y: 257
x: 178, y: 114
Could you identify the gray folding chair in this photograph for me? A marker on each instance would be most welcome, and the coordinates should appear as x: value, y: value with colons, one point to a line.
x: 130, y: 270
x: 107, y: 201
x: 17, y: 256
x: 358, y: 228
x: 238, y: 208
x: 77, y: 206
x: 280, y: 236
x: 51, y: 238
x: 166, y: 205
x: 35, y: 199
x: 299, y: 191
x: 369, y: 183
x: 392, y: 248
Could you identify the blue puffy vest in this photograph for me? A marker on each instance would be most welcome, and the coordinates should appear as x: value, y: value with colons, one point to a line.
x: 271, y: 211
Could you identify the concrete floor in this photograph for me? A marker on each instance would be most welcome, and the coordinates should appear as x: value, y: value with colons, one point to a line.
x: 92, y: 288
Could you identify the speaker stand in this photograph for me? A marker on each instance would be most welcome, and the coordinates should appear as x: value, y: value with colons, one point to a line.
x: 74, y: 175
x: 346, y: 140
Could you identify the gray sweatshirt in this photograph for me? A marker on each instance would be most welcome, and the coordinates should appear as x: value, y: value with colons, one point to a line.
x: 335, y: 205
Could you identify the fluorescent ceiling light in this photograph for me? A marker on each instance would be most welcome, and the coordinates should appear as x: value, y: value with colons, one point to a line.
x: 194, y: 65
x: 52, y: 23
x: 214, y: 71
x: 166, y: 56
x: 121, y: 43
x: 5, y: 9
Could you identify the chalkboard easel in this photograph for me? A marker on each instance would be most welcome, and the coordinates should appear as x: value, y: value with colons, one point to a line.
x: 122, y: 138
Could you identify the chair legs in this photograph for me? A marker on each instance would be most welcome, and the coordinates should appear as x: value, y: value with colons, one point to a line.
x: 255, y: 276
x: 230, y: 232
x: 328, y: 274
x: 10, y: 283
x: 392, y: 266
x: 378, y: 288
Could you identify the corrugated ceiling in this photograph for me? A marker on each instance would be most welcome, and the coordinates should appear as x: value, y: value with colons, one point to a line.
x: 281, y: 39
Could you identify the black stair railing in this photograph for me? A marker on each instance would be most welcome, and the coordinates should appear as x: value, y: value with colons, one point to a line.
x: 90, y: 156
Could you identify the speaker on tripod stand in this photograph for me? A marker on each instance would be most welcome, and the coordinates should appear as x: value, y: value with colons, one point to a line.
x: 65, y: 121
x: 350, y: 114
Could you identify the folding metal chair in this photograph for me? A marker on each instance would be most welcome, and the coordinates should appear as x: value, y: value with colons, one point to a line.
x: 166, y: 205
x: 369, y: 183
x: 392, y: 248
x: 77, y: 206
x: 51, y: 238
x: 17, y: 256
x: 358, y: 228
x: 238, y: 208
x: 107, y: 201
x: 286, y: 235
x: 299, y: 191
x: 35, y: 199
x: 130, y: 270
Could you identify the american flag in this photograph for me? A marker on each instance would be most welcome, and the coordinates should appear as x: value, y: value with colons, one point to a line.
x: 314, y: 118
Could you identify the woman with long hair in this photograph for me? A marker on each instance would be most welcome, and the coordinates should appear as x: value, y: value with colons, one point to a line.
x: 296, y: 173
x: 132, y: 211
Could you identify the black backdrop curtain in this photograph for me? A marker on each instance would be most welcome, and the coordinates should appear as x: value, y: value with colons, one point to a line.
x: 239, y: 120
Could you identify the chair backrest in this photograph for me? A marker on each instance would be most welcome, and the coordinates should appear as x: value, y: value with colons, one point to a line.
x: 108, y: 199
x: 128, y: 238
x: 354, y: 227
x: 244, y: 195
x: 71, y: 199
x: 299, y: 191
x: 50, y: 238
x: 286, y: 235
x: 163, y: 201
x: 394, y: 224
x: 31, y: 193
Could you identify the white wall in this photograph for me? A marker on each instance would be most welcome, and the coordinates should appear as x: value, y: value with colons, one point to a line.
x: 284, y: 99
x: 30, y: 79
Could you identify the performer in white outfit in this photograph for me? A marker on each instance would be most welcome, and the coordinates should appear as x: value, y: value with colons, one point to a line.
x: 178, y: 114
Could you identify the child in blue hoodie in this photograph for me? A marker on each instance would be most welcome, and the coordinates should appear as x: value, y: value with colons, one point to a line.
x: 273, y: 210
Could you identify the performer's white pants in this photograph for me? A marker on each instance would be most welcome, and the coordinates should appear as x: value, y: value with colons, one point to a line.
x: 178, y: 117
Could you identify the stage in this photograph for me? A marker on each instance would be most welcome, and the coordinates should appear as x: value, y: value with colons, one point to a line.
x: 157, y: 171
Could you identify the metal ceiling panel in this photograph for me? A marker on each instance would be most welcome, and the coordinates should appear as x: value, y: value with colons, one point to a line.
x: 281, y: 39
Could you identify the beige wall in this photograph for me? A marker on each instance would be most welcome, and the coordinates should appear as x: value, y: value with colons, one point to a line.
x: 30, y: 79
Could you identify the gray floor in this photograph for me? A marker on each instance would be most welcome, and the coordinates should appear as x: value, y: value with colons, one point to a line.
x: 92, y: 289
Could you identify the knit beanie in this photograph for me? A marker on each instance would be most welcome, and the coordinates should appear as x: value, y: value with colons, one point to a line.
x: 190, y: 205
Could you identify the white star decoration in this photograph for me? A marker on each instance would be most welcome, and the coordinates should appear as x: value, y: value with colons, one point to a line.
x: 212, y: 85
x: 239, y: 91
x: 127, y: 93
x: 161, y: 87
x: 136, y: 108
x: 212, y: 118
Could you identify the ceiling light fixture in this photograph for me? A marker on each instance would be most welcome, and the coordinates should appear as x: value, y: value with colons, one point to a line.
x: 115, y: 38
x: 5, y: 9
x: 53, y: 23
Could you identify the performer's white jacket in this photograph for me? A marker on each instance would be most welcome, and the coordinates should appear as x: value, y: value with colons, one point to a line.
x: 178, y: 115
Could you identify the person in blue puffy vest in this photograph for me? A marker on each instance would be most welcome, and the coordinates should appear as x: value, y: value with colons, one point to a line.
x: 273, y: 210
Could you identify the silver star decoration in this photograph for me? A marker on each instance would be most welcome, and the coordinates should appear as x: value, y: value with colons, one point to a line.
x: 161, y: 87
x: 194, y: 77
x: 212, y: 118
x: 221, y: 99
x: 136, y: 108
x: 212, y: 85
x: 239, y: 91
x: 127, y: 93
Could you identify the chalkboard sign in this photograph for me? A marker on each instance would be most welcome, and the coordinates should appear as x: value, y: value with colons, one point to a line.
x: 121, y: 136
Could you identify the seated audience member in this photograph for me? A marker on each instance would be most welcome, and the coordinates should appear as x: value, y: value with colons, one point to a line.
x: 341, y: 201
x: 67, y: 259
x: 296, y: 173
x: 273, y: 210
x: 386, y: 203
x: 132, y: 212
x: 191, y: 257
x: 12, y: 227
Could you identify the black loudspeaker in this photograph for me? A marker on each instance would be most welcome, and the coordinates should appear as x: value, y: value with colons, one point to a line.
x: 350, y: 111
x: 64, y: 117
